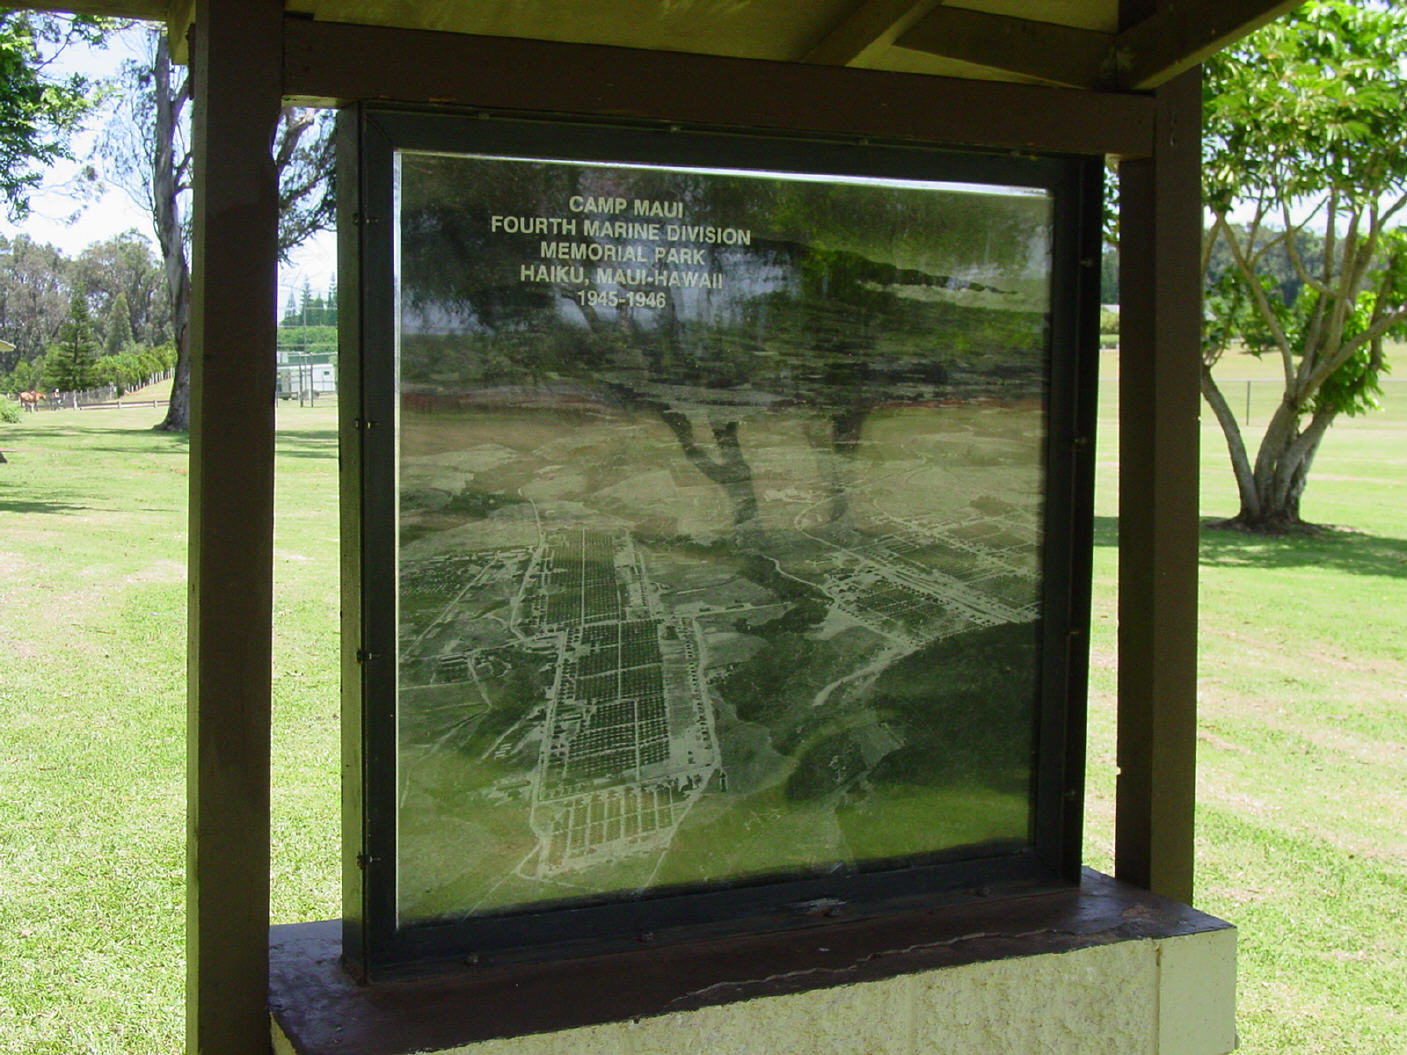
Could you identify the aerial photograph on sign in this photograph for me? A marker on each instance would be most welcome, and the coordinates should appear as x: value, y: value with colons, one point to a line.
x: 720, y: 516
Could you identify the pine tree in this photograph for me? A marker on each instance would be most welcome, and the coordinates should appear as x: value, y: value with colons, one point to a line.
x: 70, y: 361
x: 118, y: 328
x: 306, y: 307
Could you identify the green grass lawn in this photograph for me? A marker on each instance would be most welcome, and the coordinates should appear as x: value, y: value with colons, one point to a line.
x: 1303, y: 741
x: 92, y: 742
x: 1302, y: 753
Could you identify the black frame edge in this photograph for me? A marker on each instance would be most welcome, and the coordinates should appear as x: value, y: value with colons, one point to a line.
x: 381, y: 944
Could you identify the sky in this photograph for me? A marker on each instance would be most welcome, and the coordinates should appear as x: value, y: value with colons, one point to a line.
x: 59, y: 217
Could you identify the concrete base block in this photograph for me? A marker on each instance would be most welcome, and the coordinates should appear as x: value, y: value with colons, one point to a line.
x: 1104, y: 970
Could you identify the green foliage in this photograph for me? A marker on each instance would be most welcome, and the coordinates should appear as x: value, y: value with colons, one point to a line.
x: 308, y: 309
x: 1306, y: 139
x: 1109, y: 272
x: 308, y: 340
x: 35, y: 281
x: 1274, y: 258
x: 70, y: 364
x: 26, y: 376
x: 1356, y: 386
x: 126, y: 266
x: 9, y: 411
x: 117, y: 327
x: 129, y: 370
x: 1309, y: 105
x: 38, y: 112
x: 126, y: 295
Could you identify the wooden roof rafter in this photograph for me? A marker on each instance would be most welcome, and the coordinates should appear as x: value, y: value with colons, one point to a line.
x: 1065, y: 43
x: 178, y: 15
x: 1137, y: 59
x: 867, y: 31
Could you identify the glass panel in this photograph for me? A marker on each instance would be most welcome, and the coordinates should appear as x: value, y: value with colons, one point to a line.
x: 720, y: 507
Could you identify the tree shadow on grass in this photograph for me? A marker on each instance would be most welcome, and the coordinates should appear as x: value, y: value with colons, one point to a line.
x: 306, y: 443
x: 1335, y: 548
x: 83, y: 438
x: 39, y: 505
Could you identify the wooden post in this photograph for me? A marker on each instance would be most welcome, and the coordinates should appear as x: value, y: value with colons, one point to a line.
x: 1160, y: 322
x: 237, y: 57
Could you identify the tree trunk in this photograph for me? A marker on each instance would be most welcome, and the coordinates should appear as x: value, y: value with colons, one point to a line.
x: 1282, y: 470
x: 837, y: 449
x: 165, y: 193
x: 178, y: 410
x: 730, y: 472
x: 1235, y: 445
x: 1270, y: 491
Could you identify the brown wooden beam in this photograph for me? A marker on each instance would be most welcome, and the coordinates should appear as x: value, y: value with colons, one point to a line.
x: 148, y: 10
x: 1159, y: 360
x: 1079, y: 58
x: 1148, y: 54
x: 180, y: 15
x: 236, y: 49
x: 1184, y: 34
x: 332, y: 63
x: 867, y: 31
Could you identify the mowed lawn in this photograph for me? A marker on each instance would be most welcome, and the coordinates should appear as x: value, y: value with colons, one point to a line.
x: 1303, y: 741
x: 92, y: 720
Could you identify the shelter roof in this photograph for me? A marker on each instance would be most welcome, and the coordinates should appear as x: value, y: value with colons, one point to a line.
x: 1074, y: 43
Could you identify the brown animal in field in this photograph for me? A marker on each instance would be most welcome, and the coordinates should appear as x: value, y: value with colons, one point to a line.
x: 32, y: 400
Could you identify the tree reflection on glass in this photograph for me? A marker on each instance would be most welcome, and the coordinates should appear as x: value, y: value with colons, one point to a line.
x: 719, y: 553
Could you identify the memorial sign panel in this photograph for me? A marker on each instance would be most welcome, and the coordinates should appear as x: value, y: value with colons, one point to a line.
x: 719, y: 539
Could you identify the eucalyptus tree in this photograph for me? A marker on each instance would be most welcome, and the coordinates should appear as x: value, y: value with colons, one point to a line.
x: 1306, y: 132
x: 149, y: 145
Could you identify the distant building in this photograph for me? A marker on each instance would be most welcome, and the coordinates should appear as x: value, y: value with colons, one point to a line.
x: 306, y: 375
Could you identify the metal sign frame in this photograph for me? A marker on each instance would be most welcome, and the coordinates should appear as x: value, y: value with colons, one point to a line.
x: 373, y: 939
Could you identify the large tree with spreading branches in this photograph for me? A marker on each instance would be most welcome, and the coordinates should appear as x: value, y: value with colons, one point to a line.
x: 148, y: 143
x: 1305, y: 131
